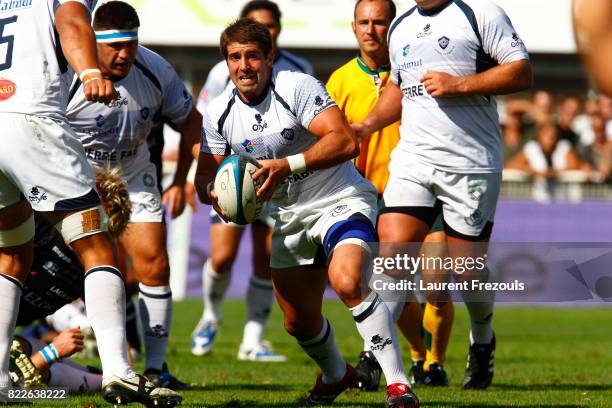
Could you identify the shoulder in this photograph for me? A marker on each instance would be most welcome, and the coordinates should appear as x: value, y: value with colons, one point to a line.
x: 219, y: 72
x: 399, y: 19
x: 343, y: 73
x: 482, y: 9
x: 153, y: 66
x: 288, y: 83
x: 297, y: 63
x: 220, y: 103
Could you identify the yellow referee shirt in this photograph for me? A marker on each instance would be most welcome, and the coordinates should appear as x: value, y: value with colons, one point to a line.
x: 356, y: 88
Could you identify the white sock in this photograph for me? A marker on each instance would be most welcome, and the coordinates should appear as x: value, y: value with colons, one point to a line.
x: 323, y: 350
x: 260, y: 296
x: 156, y: 316
x: 395, y: 300
x: 376, y: 326
x: 69, y: 316
x: 77, y: 378
x: 481, y: 318
x: 10, y: 293
x: 105, y: 304
x: 214, y: 287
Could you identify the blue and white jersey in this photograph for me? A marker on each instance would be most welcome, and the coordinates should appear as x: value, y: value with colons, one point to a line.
x: 219, y: 78
x: 276, y: 127
x: 34, y: 74
x: 117, y: 133
x: 463, y: 37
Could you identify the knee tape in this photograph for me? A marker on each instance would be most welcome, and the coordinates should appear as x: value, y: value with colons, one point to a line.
x: 82, y: 224
x: 18, y: 235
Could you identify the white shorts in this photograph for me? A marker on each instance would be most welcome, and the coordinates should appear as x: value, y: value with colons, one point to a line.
x: 299, y: 233
x: 144, y: 194
x: 43, y: 160
x: 468, y: 200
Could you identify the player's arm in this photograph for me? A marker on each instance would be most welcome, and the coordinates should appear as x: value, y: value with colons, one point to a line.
x: 205, y: 179
x: 190, y: 130
x: 336, y: 144
x: 67, y: 343
x: 79, y: 47
x: 388, y: 110
x: 500, y: 80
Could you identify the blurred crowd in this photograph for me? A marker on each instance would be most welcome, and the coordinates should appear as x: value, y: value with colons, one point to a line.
x: 557, y: 140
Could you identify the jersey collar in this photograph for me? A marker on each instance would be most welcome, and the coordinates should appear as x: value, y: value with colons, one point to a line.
x: 367, y: 70
x: 258, y: 100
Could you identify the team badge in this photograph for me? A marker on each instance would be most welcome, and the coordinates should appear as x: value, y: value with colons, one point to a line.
x: 443, y: 42
x: 148, y: 180
x: 288, y: 135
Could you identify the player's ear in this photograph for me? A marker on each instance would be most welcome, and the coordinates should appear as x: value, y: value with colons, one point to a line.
x: 353, y: 27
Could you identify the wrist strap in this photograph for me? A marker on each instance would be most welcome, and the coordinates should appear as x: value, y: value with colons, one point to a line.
x: 297, y: 163
x: 89, y: 71
x: 50, y: 354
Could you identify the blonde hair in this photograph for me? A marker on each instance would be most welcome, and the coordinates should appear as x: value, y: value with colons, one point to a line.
x: 112, y: 189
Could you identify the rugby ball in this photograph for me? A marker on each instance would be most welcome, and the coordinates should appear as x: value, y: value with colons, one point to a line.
x: 236, y: 189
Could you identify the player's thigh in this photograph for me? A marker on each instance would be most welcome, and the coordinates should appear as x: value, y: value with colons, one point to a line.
x: 299, y: 292
x: 55, y: 176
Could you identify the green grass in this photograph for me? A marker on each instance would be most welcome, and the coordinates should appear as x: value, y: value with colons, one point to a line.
x: 545, y: 358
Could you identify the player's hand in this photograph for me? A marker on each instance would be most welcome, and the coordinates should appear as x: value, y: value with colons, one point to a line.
x: 99, y: 90
x: 68, y: 342
x: 362, y: 134
x: 190, y: 196
x: 274, y: 172
x: 440, y: 84
x: 174, y: 198
x: 215, y: 203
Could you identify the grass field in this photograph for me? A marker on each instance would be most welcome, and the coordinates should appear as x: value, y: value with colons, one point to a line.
x: 546, y: 357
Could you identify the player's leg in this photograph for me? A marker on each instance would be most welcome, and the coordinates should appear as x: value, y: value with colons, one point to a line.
x: 145, y: 244
x: 299, y: 292
x: 16, y: 233
x: 216, y: 275
x: 439, y: 311
x: 259, y: 298
x: 469, y: 210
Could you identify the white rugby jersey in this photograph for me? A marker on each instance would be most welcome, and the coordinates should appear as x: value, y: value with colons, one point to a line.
x: 463, y: 37
x: 276, y: 127
x: 34, y: 74
x: 116, y: 132
x: 219, y: 78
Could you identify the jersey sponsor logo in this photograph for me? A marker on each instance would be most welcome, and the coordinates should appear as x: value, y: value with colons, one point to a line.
x: 36, y: 196
x: 293, y: 178
x: 100, y: 155
x: 516, y: 41
x: 118, y: 102
x: 248, y: 146
x: 318, y: 100
x: 408, y: 65
x: 413, y: 91
x: 7, y: 89
x: 260, y: 125
x: 426, y: 31
x: 12, y: 5
x: 288, y: 136
x: 406, y: 50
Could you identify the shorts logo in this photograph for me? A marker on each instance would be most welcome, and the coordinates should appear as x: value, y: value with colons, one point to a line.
x: 7, y: 89
x: 406, y: 50
x: 248, y: 146
x: 288, y: 135
x: 378, y: 343
x: 36, y: 196
x: 260, y: 125
x: 91, y: 220
x: 474, y: 219
x: 443, y: 42
x: 100, y: 120
x: 339, y: 210
x: 148, y: 180
x: 476, y: 189
x: 153, y: 204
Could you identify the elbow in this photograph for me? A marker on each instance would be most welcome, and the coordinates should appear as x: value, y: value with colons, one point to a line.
x: 352, y: 149
x: 526, y: 78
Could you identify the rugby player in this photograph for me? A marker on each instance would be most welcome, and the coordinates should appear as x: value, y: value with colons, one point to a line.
x: 355, y: 87
x: 225, y: 237
x: 594, y: 39
x: 45, y: 170
x: 449, y: 158
x: 115, y: 135
x: 323, y: 209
